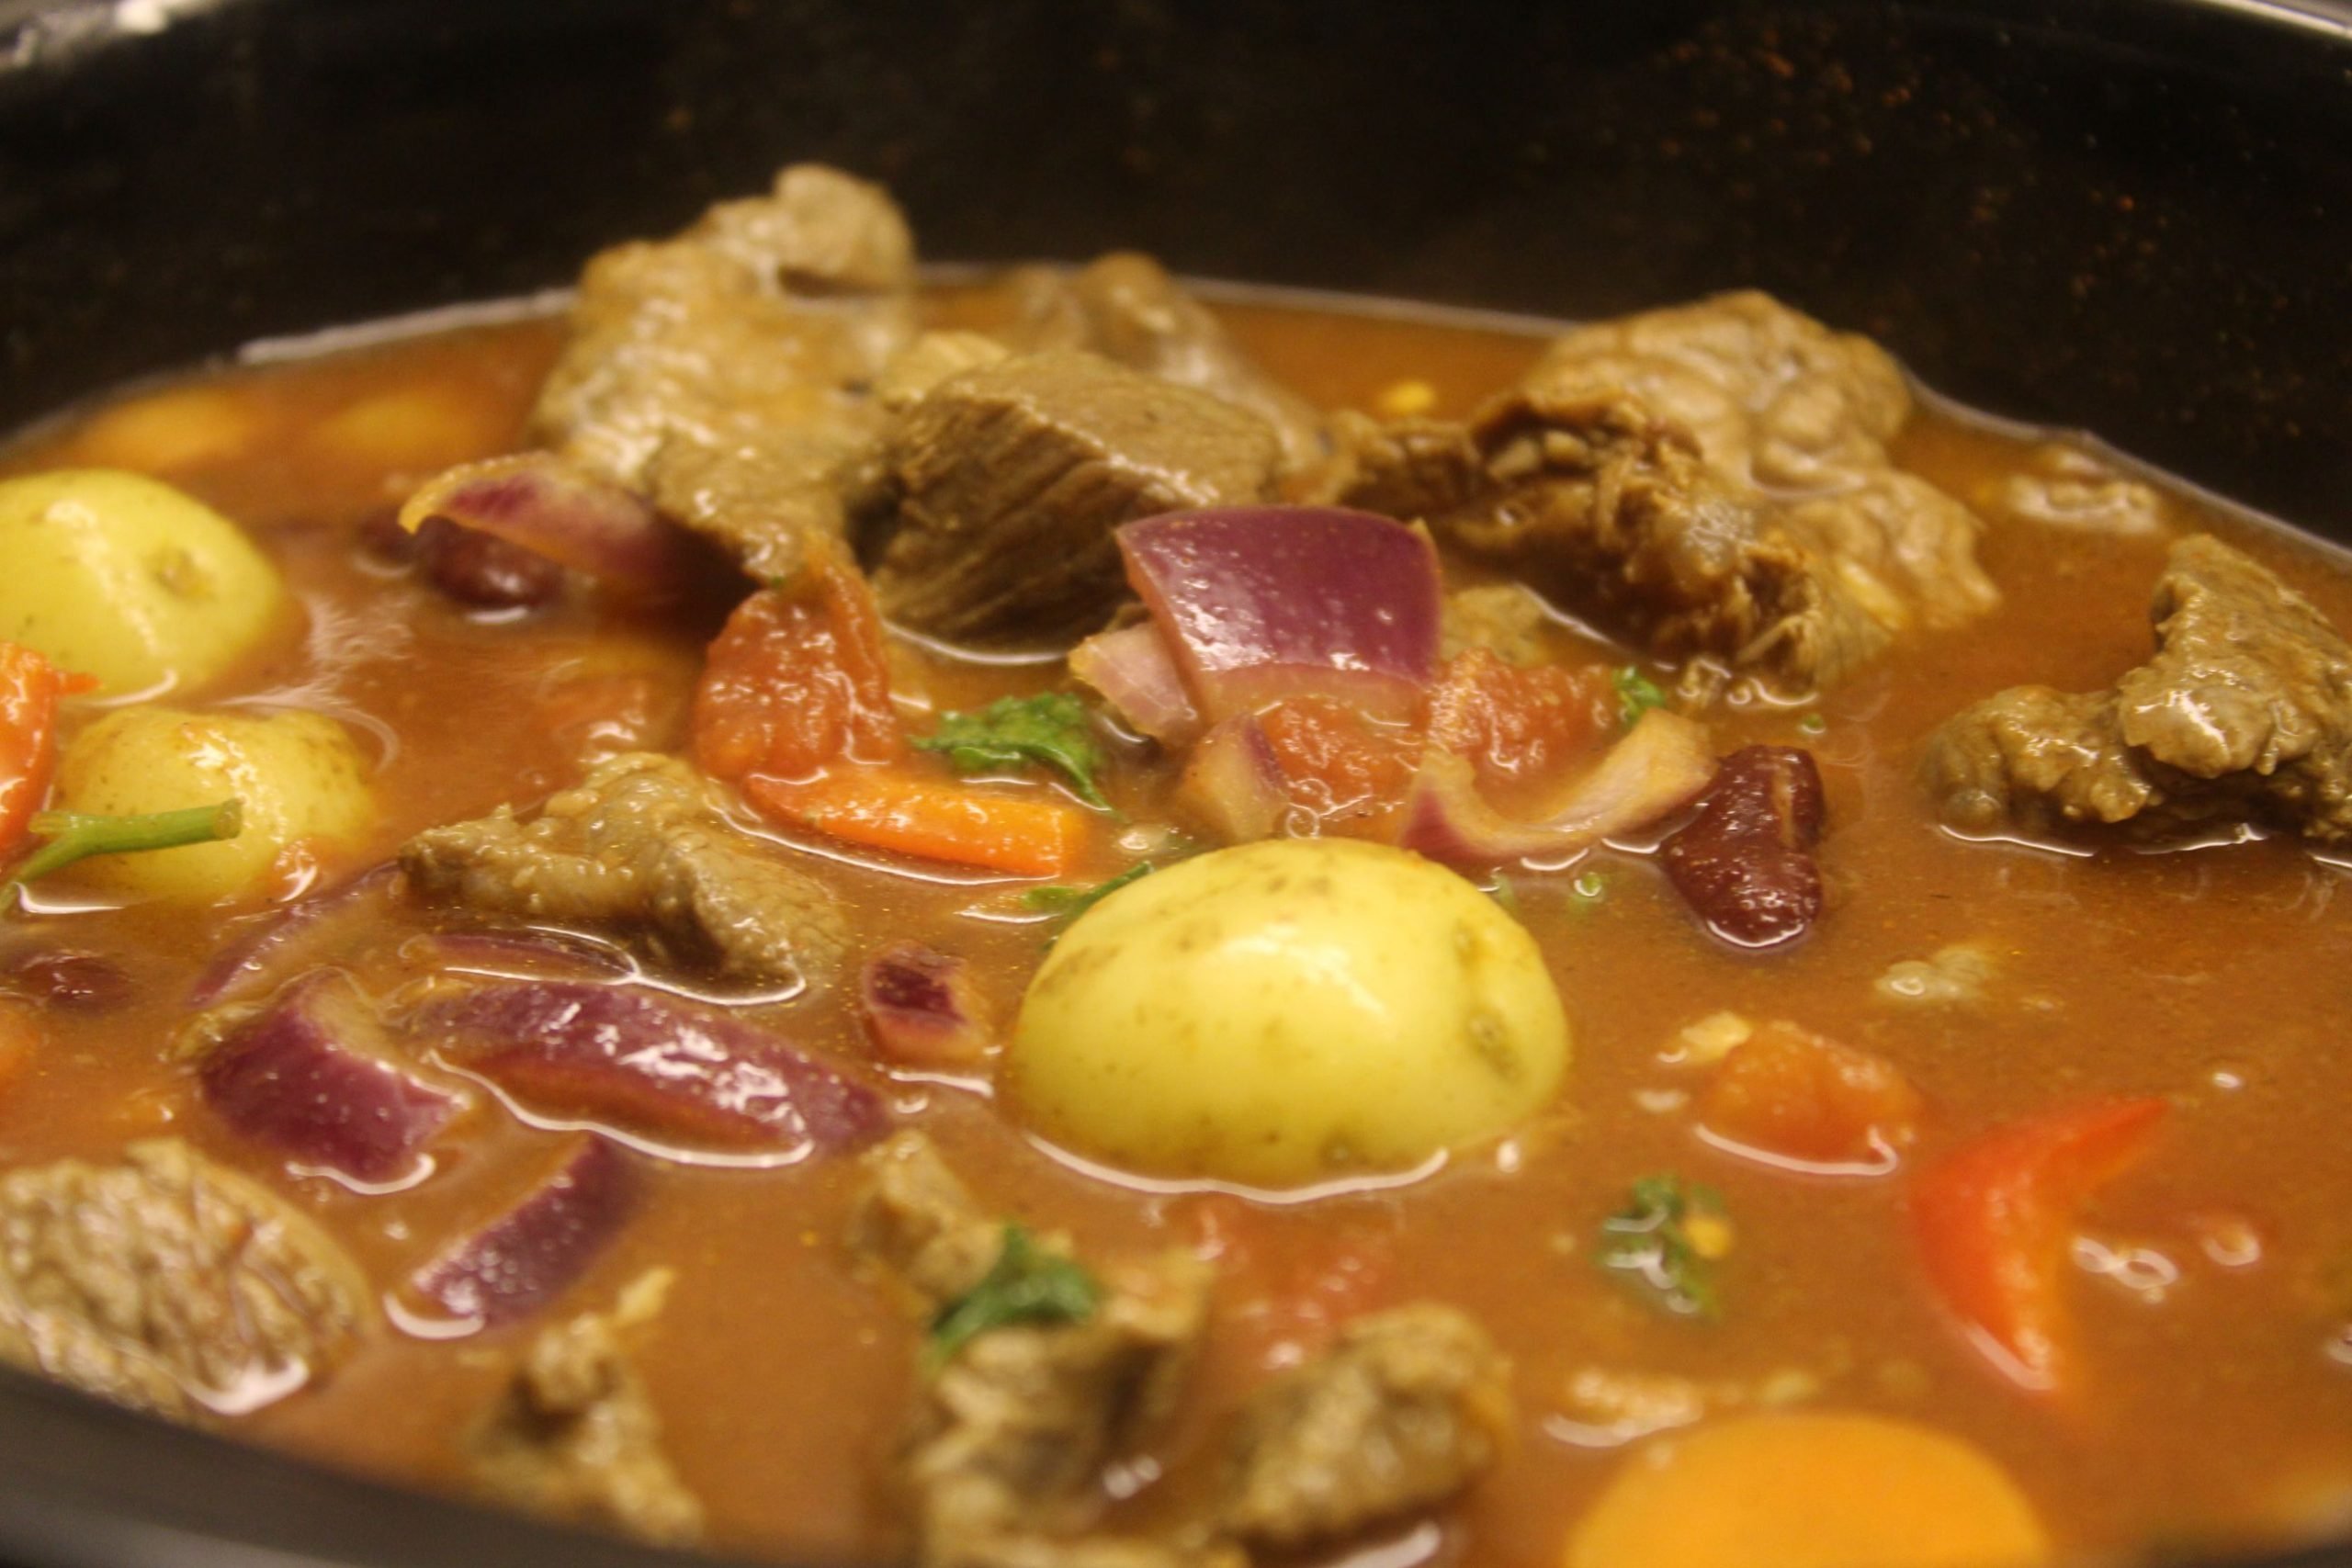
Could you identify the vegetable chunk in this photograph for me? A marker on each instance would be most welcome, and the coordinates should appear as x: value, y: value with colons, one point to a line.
x: 130, y: 580
x: 1816, y: 1490
x: 1285, y: 1013
x: 298, y: 776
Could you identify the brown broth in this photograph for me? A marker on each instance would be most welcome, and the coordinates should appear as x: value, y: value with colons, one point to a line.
x: 2209, y: 977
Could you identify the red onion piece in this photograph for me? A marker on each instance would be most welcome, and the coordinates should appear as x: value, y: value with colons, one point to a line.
x: 1261, y: 603
x: 1744, y: 862
x: 313, y: 1078
x: 245, y: 967
x: 1136, y: 674
x: 1233, y: 783
x: 924, y: 1010
x: 532, y: 1253
x: 1654, y: 770
x: 555, y: 509
x: 645, y: 1060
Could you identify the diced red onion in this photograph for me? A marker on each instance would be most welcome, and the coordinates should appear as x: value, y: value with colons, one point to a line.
x: 1233, y: 784
x: 556, y: 509
x: 1262, y: 602
x: 313, y: 1078
x: 645, y: 1060
x: 246, y: 967
x: 1137, y: 676
x: 532, y: 1253
x: 924, y: 1010
x: 1653, y: 772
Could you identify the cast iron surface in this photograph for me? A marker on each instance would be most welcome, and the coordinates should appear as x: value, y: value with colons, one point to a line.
x: 2130, y: 215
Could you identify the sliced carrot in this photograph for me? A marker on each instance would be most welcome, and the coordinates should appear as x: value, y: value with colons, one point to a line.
x: 799, y: 679
x: 1995, y: 1217
x: 29, y: 689
x: 886, y: 808
x: 1789, y: 1093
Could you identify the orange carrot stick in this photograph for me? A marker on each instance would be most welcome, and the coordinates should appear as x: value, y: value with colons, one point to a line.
x: 885, y: 809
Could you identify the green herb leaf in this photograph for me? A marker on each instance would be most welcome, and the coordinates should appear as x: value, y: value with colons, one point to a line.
x: 73, y: 836
x: 1026, y: 1284
x: 1072, y: 902
x: 1636, y: 693
x: 1813, y: 724
x: 1590, y: 887
x: 1663, y: 1243
x: 1048, y: 729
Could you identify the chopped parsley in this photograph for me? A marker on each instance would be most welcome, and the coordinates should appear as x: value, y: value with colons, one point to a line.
x: 1072, y: 902
x: 73, y: 836
x: 1636, y: 693
x: 1025, y: 1284
x: 1049, y: 728
x: 1665, y: 1242
x: 1813, y: 724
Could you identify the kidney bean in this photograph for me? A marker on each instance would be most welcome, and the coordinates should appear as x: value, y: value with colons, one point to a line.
x: 477, y: 568
x: 1744, y: 862
x: 82, y: 981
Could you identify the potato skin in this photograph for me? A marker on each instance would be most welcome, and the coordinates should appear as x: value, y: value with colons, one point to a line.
x: 121, y: 577
x: 298, y: 773
x: 1287, y: 1013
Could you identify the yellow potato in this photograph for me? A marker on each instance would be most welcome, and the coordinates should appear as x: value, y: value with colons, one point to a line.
x: 125, y: 579
x: 1810, y: 1490
x: 299, y: 774
x: 413, y: 428
x: 1285, y: 1013
x: 178, y: 428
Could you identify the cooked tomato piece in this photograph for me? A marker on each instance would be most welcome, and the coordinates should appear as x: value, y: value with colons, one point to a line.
x: 1995, y: 1217
x: 1522, y: 728
x: 1283, y: 1297
x: 798, y: 679
x: 29, y: 689
x: 1789, y: 1093
x: 1349, y: 771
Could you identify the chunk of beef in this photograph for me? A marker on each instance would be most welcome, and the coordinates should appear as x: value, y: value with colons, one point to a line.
x: 1010, y: 1435
x: 727, y: 374
x: 575, y: 1437
x: 642, y: 845
x: 169, y: 1284
x: 1715, y: 479
x: 1126, y: 308
x: 1005, y: 482
x: 2244, y: 714
x: 2061, y: 486
x: 1411, y: 1407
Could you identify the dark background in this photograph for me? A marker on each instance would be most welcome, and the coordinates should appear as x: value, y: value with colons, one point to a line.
x: 2130, y: 215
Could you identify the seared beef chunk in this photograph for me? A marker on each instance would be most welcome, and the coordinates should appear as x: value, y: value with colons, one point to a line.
x: 1126, y: 308
x: 642, y: 845
x: 1011, y: 1433
x: 727, y: 373
x: 1407, y: 1408
x: 2245, y: 715
x: 1745, y: 861
x: 1713, y: 479
x: 576, y: 1437
x: 167, y: 1283
x: 1005, y: 481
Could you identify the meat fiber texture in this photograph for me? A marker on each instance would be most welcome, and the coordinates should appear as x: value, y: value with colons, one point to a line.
x: 727, y: 374
x: 169, y: 1284
x: 642, y: 846
x: 2243, y: 716
x: 1715, y: 479
x: 1004, y: 484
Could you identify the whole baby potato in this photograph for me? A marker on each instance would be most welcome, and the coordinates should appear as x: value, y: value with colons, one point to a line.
x: 1287, y: 1013
x: 298, y: 773
x: 121, y: 577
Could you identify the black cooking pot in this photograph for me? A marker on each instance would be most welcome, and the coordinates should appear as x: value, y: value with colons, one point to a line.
x: 2133, y: 215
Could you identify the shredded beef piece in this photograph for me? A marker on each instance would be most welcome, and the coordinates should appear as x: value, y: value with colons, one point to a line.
x: 1004, y: 482
x: 727, y: 373
x: 169, y: 1284
x: 1126, y: 308
x: 1004, y: 1461
x: 2244, y: 714
x: 575, y: 1437
x: 1411, y: 1407
x: 642, y: 844
x: 1715, y: 479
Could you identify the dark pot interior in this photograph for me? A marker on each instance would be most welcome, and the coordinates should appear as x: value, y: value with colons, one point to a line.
x: 2133, y: 215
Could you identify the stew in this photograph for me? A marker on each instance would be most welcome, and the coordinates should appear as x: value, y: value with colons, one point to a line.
x: 1028, y: 920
